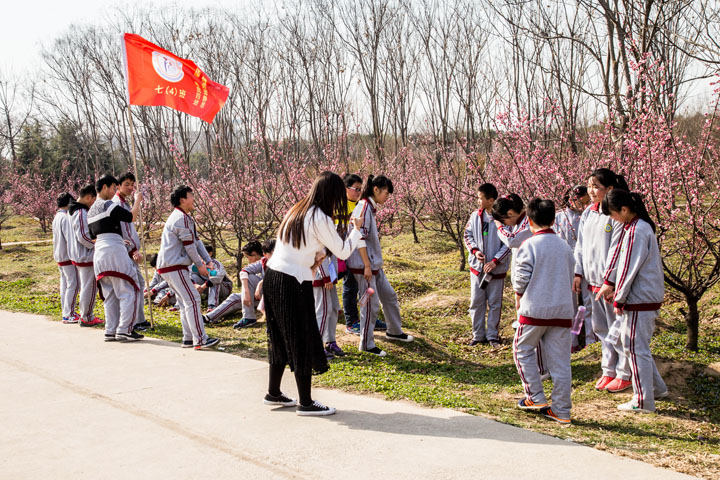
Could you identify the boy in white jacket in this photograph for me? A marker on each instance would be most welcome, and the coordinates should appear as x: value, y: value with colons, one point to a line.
x: 542, y: 281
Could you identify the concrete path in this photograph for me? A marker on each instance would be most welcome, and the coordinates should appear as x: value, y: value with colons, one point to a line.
x: 72, y: 406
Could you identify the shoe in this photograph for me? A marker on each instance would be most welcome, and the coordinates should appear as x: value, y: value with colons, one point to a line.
x: 129, y: 337
x: 527, y: 404
x: 401, y: 337
x: 92, y: 323
x: 664, y: 394
x: 380, y: 326
x: 353, y: 328
x: 142, y: 326
x: 244, y: 322
x: 315, y: 409
x: 70, y: 319
x: 618, y: 385
x: 328, y: 354
x: 473, y: 342
x: 495, y: 343
x: 173, y: 309
x: 603, y: 382
x: 544, y: 376
x: 335, y: 349
x: 205, y: 319
x: 209, y: 343
x: 186, y: 344
x: 281, y: 400
x: 576, y: 348
x: 110, y: 337
x: 548, y: 413
x: 210, y: 309
x: 631, y: 407
x: 376, y: 351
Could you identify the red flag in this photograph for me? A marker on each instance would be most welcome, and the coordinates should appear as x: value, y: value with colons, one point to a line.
x: 157, y: 77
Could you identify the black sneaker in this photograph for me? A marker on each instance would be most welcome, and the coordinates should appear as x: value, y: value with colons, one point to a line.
x: 209, y: 343
x: 281, y: 400
x: 402, y: 337
x: 186, y: 344
x: 477, y: 342
x: 142, y: 326
x: 110, y: 337
x: 315, y: 409
x: 495, y: 343
x: 206, y: 320
x: 376, y: 351
x: 129, y: 337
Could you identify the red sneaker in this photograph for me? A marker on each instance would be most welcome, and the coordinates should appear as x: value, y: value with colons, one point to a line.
x: 618, y: 385
x: 92, y: 323
x: 603, y: 382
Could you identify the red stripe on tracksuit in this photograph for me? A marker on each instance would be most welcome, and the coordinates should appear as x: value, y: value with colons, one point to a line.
x: 195, y: 310
x: 77, y: 289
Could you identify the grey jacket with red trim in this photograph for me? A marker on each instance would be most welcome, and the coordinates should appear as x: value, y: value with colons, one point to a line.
x: 61, y: 236
x: 638, y: 278
x: 129, y: 232
x: 81, y: 247
x: 481, y: 235
x: 370, y: 239
x: 105, y: 220
x: 567, y: 222
x: 598, y: 235
x: 179, y: 244
x: 542, y: 277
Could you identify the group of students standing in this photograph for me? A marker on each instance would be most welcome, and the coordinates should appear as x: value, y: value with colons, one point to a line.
x: 599, y: 252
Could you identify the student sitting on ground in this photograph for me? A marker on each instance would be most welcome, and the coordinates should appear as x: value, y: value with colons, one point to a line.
x: 217, y: 286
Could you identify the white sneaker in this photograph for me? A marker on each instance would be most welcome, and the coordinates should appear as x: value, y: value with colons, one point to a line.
x: 316, y: 409
x: 401, y: 337
x: 664, y: 394
x: 631, y: 407
x: 376, y: 351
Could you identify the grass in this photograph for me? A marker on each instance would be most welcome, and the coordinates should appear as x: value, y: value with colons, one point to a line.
x: 440, y: 370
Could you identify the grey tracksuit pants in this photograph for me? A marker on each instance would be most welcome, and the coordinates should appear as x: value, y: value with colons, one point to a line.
x: 69, y: 287
x: 556, y: 343
x: 231, y: 304
x: 384, y: 295
x: 637, y: 329
x: 121, y: 301
x: 141, y: 285
x: 614, y: 362
x: 88, y: 292
x: 188, y: 303
x: 490, y: 300
x: 327, y: 305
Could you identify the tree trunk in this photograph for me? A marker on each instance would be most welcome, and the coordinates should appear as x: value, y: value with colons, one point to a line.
x: 414, y: 231
x: 692, y: 321
x: 461, y: 248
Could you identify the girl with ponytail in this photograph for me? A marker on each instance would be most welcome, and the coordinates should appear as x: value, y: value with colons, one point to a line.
x: 639, y: 290
x: 598, y: 235
x: 366, y: 265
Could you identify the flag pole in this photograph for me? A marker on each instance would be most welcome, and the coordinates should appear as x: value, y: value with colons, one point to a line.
x: 142, y: 224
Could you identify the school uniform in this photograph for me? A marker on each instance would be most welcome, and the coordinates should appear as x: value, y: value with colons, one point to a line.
x: 253, y: 273
x: 114, y: 269
x: 69, y: 278
x: 598, y: 236
x: 81, y: 250
x: 327, y: 303
x: 567, y: 222
x: 132, y: 239
x: 481, y: 236
x: 180, y: 247
x: 542, y: 277
x: 639, y: 293
x: 219, y: 285
x: 384, y: 293
x: 159, y: 288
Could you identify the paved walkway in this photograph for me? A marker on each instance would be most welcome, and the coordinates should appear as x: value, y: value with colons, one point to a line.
x: 75, y: 407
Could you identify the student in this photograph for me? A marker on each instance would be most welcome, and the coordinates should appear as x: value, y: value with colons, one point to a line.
x: 159, y: 291
x: 567, y: 222
x: 293, y: 337
x: 218, y: 286
x: 180, y: 247
x: 69, y: 281
x: 81, y: 248
x: 327, y: 305
x: 132, y: 240
x: 598, y: 234
x: 114, y: 269
x: 542, y: 279
x: 249, y: 297
x: 486, y: 249
x: 366, y: 264
x: 639, y: 291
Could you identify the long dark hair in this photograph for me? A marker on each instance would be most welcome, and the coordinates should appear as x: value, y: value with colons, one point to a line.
x: 381, y: 181
x: 504, y: 204
x: 608, y: 178
x: 617, y: 198
x: 328, y: 194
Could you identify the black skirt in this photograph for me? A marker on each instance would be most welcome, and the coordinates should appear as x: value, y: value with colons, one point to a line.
x: 293, y: 335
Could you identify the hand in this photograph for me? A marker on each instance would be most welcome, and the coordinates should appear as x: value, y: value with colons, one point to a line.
x: 618, y: 311
x: 164, y: 301
x: 329, y: 286
x: 137, y: 256
x: 247, y: 301
x: 202, y: 270
x: 200, y: 288
x: 367, y: 273
x: 606, y: 292
x: 517, y: 301
x: 480, y: 256
x: 356, y: 222
x: 258, y: 291
x: 489, y: 267
x: 577, y: 285
x: 138, y: 196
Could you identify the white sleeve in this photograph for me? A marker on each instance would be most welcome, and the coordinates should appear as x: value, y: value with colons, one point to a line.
x: 327, y: 235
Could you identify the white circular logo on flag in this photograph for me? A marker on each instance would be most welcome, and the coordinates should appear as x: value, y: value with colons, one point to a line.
x: 167, y: 67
